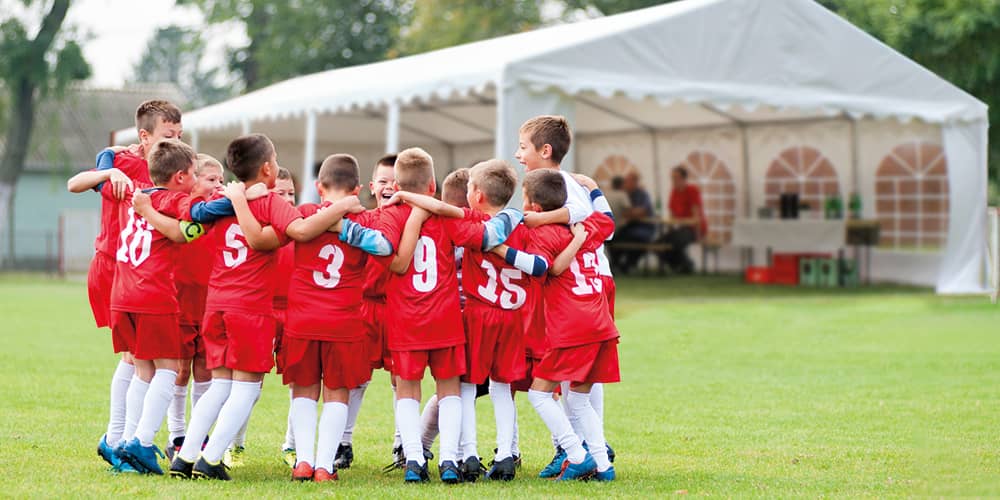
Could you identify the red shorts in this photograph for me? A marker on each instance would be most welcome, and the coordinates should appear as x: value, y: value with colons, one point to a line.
x: 445, y: 363
x: 279, y: 335
x: 99, y: 279
x: 588, y: 364
x: 529, y: 367
x: 239, y: 341
x: 191, y: 344
x: 146, y: 336
x: 494, y: 342
x: 337, y: 364
x: 191, y: 299
x: 378, y: 342
x: 609, y: 292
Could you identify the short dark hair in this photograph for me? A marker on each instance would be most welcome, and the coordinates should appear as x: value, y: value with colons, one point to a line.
x: 147, y: 113
x: 246, y: 154
x: 168, y: 157
x: 386, y: 161
x: 681, y: 170
x: 455, y: 189
x: 339, y: 171
x: 552, y: 130
x: 617, y: 182
x: 545, y: 187
x: 284, y: 174
x: 496, y: 179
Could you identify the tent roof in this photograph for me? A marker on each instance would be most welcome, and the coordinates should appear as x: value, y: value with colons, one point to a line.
x: 742, y: 60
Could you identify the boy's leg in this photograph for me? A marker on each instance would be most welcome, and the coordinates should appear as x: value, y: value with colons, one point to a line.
x: 429, y: 422
x: 408, y: 418
x: 450, y: 418
x: 354, y: 399
x: 593, y: 428
x: 555, y: 419
x: 331, y: 426
x: 506, y: 418
x: 119, y: 392
x: 137, y: 388
x: 177, y: 411
x: 597, y: 399
x: 204, y: 414
x: 468, y: 442
x: 234, y: 413
x: 303, y: 412
x: 289, y: 443
x: 157, y: 400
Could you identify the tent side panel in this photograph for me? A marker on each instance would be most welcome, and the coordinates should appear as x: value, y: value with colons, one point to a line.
x: 962, y: 268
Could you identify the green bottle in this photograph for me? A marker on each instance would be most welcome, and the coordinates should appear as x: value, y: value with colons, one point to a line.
x: 855, y: 206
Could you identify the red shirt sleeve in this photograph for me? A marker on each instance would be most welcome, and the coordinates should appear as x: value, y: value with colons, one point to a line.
x: 544, y: 244
x: 467, y: 231
x: 280, y: 214
x: 392, y: 222
x: 599, y: 227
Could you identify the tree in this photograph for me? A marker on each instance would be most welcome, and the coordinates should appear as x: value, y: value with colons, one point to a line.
x: 174, y: 55
x: 609, y: 7
x: 442, y: 23
x: 31, y: 68
x: 288, y: 39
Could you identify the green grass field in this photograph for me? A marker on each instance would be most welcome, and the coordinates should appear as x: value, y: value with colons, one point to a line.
x: 728, y: 390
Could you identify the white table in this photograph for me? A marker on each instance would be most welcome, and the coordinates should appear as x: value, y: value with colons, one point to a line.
x: 791, y: 235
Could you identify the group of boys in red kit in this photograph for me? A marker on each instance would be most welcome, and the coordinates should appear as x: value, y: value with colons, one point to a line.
x: 215, y: 283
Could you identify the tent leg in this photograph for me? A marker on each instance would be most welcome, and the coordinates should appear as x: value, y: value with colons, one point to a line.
x: 392, y: 128
x: 309, y: 193
x: 744, y: 135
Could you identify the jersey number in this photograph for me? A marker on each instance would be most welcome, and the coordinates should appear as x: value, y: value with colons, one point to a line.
x: 334, y: 257
x: 512, y: 296
x: 585, y: 286
x: 235, y: 252
x: 136, y: 240
x: 425, y: 268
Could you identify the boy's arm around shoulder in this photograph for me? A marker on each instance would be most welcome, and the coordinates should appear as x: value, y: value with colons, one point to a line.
x: 258, y: 237
x: 408, y: 242
x: 566, y: 257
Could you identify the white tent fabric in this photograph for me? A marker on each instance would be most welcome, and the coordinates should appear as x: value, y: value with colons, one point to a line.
x: 706, y: 62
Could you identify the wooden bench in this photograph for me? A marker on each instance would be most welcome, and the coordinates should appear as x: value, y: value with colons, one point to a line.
x: 647, y: 249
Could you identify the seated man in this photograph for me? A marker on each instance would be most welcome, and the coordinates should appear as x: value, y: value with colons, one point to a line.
x: 688, y: 222
x: 637, y: 228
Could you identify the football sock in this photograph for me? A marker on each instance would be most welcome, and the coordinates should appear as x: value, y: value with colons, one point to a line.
x: 331, y: 428
x: 506, y: 418
x: 233, y: 415
x: 197, y: 391
x: 397, y: 439
x: 564, y: 389
x: 354, y: 399
x: 450, y: 426
x: 514, y: 448
x: 303, y: 412
x: 468, y: 441
x: 289, y: 443
x: 176, y: 412
x: 408, y: 422
x: 597, y: 399
x: 203, y: 416
x: 429, y: 422
x: 558, y: 424
x: 119, y: 393
x: 241, y: 436
x: 592, y: 428
x: 154, y: 405
x: 133, y: 406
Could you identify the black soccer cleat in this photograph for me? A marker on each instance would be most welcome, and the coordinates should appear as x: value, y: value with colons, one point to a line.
x: 181, y: 469
x: 449, y: 472
x: 205, y: 470
x: 416, y: 473
x: 503, y: 470
x: 471, y: 469
x: 345, y: 456
x: 611, y: 453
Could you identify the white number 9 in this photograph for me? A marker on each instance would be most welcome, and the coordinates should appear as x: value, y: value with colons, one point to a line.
x: 425, y: 265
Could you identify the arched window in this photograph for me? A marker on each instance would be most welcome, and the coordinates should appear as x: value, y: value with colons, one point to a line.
x: 718, y: 192
x: 911, y: 197
x: 803, y: 170
x: 613, y: 166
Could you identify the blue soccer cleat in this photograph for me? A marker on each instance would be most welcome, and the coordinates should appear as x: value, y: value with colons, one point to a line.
x: 611, y: 453
x: 450, y: 473
x: 143, y: 458
x: 608, y: 475
x: 124, y: 467
x: 582, y: 470
x: 555, y: 466
x: 416, y: 473
x: 106, y: 451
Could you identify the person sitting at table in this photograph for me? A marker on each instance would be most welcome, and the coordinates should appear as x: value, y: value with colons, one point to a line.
x: 618, y: 198
x: 687, y: 220
x: 637, y: 227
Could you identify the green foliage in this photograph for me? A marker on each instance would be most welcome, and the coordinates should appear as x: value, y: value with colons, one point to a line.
x: 174, y: 55
x: 609, y: 7
x: 443, y: 23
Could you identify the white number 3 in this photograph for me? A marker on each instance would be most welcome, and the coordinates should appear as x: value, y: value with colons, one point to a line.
x: 331, y: 276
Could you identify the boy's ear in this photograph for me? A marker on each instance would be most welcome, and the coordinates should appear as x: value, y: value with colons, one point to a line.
x: 356, y: 190
x: 319, y: 188
x: 432, y: 187
x: 546, y: 151
x: 265, y: 169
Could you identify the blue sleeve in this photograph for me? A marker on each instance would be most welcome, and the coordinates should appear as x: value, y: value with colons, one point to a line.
x: 369, y: 240
x: 105, y: 160
x: 498, y: 228
x: 210, y: 211
x: 529, y: 263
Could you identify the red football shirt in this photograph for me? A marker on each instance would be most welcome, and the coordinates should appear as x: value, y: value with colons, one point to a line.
x: 423, y: 305
x: 326, y: 288
x: 194, y: 260
x: 144, y: 275
x: 576, y: 310
x: 488, y: 278
x: 242, y: 278
x: 132, y: 164
x: 283, y: 275
x: 682, y: 202
x: 377, y: 270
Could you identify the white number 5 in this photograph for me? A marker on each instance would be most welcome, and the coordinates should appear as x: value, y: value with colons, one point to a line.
x: 235, y: 252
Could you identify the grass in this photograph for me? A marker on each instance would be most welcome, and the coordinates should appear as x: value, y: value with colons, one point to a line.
x: 728, y: 390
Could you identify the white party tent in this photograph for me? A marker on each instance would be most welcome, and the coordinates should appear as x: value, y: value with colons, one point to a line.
x: 737, y: 90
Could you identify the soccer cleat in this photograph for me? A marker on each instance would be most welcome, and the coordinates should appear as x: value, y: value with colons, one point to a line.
x: 416, y: 473
x: 582, y: 470
x: 288, y: 456
x: 106, y: 451
x: 124, y: 467
x: 302, y: 472
x: 143, y: 458
x: 471, y: 469
x: 502, y: 470
x: 398, y: 460
x: 180, y: 468
x: 234, y: 456
x: 611, y: 453
x: 449, y: 472
x: 321, y: 475
x: 608, y: 475
x: 204, y: 470
x: 517, y: 458
x: 555, y: 466
x: 345, y: 456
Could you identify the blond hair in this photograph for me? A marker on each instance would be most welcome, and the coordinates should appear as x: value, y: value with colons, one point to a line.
x: 414, y: 170
x: 496, y: 179
x: 455, y: 188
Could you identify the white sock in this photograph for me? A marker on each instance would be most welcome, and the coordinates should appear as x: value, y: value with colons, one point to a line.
x: 232, y: 416
x: 506, y: 418
x: 197, y: 391
x: 289, y: 443
x: 429, y: 422
x: 119, y: 394
x: 241, y: 436
x: 569, y: 413
x: 468, y: 442
x: 354, y: 399
x: 557, y: 422
x: 408, y: 422
x: 133, y: 406
x: 203, y: 415
x: 331, y: 428
x: 176, y: 412
x: 397, y: 438
x: 154, y: 405
x: 514, y: 448
x: 597, y: 400
x: 592, y: 428
x: 450, y: 425
x: 303, y: 412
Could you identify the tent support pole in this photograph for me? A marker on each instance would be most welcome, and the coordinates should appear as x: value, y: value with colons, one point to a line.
x: 392, y: 126
x: 855, y: 165
x: 309, y: 160
x: 245, y: 126
x: 195, y: 142
x: 745, y: 136
x: 656, y: 168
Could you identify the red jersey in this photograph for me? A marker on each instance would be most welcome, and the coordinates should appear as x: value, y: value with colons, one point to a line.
x: 194, y: 260
x: 576, y: 310
x: 377, y: 270
x: 682, y: 202
x: 144, y: 276
x: 326, y: 288
x: 488, y: 278
x: 423, y: 303
x: 283, y: 275
x: 242, y: 278
x: 132, y: 164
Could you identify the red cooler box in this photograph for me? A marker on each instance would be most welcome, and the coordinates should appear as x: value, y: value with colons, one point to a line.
x: 786, y: 266
x: 759, y: 275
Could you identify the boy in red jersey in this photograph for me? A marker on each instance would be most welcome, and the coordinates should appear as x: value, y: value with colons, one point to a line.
x: 239, y: 325
x: 582, y: 336
x: 326, y: 331
x: 154, y: 120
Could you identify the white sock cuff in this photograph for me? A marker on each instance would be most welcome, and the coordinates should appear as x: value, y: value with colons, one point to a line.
x: 139, y: 382
x: 333, y: 405
x: 124, y: 370
x: 577, y: 400
x: 536, y: 397
x: 444, y: 400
